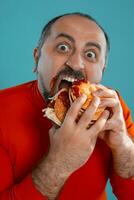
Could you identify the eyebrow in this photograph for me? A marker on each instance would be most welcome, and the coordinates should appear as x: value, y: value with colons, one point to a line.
x: 66, y: 36
x: 72, y: 40
x: 94, y: 44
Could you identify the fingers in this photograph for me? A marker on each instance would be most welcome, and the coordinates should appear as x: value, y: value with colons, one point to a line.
x: 105, y: 92
x: 99, y: 124
x: 111, y: 102
x: 75, y: 108
x: 115, y: 123
x: 89, y: 113
x: 108, y: 102
x: 109, y: 98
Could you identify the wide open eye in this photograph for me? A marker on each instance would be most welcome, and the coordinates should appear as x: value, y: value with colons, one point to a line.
x: 63, y: 48
x: 90, y: 55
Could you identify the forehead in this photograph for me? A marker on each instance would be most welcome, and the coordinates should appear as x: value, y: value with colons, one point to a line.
x: 79, y: 28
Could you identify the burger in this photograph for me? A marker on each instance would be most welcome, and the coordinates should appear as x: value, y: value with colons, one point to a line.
x: 60, y: 103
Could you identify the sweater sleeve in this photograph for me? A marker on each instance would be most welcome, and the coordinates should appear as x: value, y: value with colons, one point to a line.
x: 10, y: 191
x: 124, y: 188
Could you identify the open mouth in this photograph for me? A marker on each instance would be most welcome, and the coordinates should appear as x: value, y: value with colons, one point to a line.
x: 64, y: 81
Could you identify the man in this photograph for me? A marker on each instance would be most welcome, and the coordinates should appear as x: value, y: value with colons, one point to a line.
x: 39, y: 161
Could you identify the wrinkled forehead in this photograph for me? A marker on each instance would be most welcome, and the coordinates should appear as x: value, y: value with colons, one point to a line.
x: 78, y: 27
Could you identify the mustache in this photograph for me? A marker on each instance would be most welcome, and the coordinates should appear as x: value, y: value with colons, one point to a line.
x: 66, y: 71
x: 72, y: 73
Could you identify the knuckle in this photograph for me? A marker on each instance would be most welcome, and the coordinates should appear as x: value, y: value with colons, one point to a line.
x: 117, y: 106
x: 117, y: 103
x: 114, y: 93
x: 95, y: 104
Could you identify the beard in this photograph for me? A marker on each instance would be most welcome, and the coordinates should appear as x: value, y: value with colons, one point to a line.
x: 67, y: 71
x: 44, y: 92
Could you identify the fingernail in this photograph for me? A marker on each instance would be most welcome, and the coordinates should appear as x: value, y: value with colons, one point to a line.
x: 96, y: 100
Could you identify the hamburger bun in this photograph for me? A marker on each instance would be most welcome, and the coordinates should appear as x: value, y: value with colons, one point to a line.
x: 60, y: 103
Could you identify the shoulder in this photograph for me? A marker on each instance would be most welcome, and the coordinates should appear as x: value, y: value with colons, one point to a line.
x: 16, y: 97
x: 16, y: 91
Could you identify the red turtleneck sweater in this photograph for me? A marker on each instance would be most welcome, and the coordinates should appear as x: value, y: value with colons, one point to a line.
x: 24, y: 140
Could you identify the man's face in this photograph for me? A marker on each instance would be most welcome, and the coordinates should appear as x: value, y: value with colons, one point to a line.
x: 76, y: 48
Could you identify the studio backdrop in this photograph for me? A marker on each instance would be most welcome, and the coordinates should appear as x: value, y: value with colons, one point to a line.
x: 20, y: 26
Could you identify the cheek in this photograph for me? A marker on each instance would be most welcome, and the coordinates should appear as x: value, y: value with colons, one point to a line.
x: 48, y: 68
x: 45, y: 70
x: 94, y: 74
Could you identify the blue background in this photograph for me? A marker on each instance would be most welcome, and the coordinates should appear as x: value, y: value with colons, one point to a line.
x: 21, y: 23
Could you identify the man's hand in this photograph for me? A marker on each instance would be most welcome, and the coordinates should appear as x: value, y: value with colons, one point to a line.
x: 73, y: 143
x: 70, y: 147
x: 115, y: 133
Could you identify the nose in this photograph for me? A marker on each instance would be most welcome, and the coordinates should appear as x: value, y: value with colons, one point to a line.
x: 75, y: 61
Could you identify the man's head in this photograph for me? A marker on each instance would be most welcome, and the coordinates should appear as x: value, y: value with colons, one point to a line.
x: 73, y: 45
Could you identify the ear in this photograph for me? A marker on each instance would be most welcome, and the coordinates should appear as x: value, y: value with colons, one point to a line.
x: 104, y: 68
x: 36, y: 58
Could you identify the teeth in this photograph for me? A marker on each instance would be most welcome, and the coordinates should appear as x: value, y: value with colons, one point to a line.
x: 69, y: 79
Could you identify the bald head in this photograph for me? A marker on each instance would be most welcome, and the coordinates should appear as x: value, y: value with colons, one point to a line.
x: 47, y: 28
